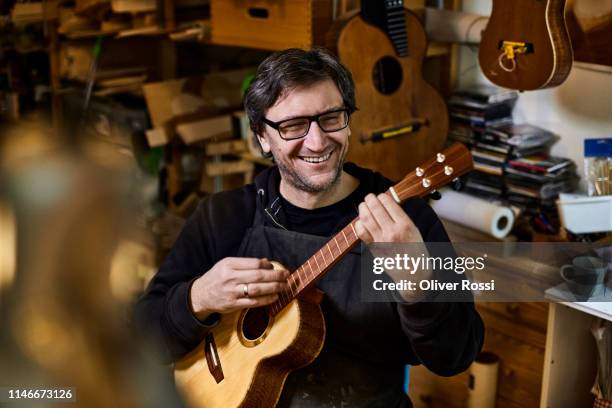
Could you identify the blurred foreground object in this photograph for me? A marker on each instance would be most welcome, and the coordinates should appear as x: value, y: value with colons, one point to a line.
x: 8, y: 250
x: 60, y: 325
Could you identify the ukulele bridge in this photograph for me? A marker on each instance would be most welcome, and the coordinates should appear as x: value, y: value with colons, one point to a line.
x: 212, y: 358
x: 510, y: 49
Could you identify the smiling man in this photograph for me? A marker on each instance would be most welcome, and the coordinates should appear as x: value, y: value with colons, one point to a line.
x: 311, y: 167
x: 299, y: 106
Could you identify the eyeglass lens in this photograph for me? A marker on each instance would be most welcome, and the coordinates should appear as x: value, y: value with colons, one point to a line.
x: 330, y: 122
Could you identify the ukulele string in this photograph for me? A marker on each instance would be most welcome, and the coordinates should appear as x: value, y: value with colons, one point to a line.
x: 298, y: 281
x: 405, y: 189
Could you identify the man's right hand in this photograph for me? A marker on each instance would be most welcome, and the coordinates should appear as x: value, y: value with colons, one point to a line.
x: 222, y: 288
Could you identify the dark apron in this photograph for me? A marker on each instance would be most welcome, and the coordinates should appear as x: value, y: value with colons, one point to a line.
x: 360, y: 365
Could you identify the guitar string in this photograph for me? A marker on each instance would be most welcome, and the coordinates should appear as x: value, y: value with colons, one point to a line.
x: 403, y: 191
x: 299, y: 284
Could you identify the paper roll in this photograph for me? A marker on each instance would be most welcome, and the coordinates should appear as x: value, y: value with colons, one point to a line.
x: 454, y: 26
x: 483, y: 381
x: 473, y: 212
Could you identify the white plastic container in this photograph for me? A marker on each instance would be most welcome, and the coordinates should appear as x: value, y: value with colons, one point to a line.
x: 581, y: 214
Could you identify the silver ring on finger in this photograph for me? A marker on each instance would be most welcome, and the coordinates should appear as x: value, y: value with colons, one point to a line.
x: 245, y: 290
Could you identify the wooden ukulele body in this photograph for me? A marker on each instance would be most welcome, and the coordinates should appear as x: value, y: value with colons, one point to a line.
x: 541, y: 25
x: 253, y: 371
x: 361, y: 47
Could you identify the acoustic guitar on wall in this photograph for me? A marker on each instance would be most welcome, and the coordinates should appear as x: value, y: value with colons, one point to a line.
x: 245, y: 359
x: 526, y: 45
x: 402, y: 120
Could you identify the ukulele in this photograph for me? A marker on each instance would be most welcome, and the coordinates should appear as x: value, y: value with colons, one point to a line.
x: 526, y: 45
x: 402, y: 120
x: 245, y: 359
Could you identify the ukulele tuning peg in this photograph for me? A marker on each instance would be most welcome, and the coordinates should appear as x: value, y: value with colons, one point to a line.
x: 426, y: 183
x: 419, y: 171
x: 448, y: 170
x: 440, y: 158
x: 435, y: 195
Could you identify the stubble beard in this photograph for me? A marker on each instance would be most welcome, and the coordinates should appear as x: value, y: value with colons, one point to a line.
x: 292, y: 177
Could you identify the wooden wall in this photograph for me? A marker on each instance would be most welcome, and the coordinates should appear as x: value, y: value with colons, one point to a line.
x: 516, y: 332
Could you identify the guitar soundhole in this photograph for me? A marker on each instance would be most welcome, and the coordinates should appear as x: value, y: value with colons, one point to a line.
x: 254, y: 323
x: 387, y: 75
x: 258, y: 12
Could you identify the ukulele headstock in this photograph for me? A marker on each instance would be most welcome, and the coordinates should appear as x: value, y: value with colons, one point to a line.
x: 447, y: 165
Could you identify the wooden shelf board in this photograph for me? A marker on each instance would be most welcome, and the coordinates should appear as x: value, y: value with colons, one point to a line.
x: 79, y: 35
x: 116, y: 34
x: 437, y: 49
x: 257, y: 160
x: 600, y: 306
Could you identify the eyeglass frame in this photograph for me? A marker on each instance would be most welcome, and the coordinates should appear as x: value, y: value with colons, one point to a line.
x: 314, y: 118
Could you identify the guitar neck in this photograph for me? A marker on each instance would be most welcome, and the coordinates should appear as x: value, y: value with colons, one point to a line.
x: 317, y: 265
x: 389, y: 17
x: 396, y: 28
x: 453, y: 162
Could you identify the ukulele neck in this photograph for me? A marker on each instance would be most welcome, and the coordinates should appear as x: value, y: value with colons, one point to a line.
x: 453, y: 162
x: 388, y: 16
x: 396, y: 26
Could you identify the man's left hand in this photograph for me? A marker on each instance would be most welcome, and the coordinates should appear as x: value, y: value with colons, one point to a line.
x: 381, y: 219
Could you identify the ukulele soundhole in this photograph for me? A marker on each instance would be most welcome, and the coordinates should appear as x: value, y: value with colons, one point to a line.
x: 387, y: 75
x: 254, y: 325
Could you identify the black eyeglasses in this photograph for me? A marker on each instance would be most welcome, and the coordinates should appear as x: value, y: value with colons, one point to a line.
x: 296, y: 128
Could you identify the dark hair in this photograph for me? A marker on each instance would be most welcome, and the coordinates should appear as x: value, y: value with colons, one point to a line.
x: 285, y: 70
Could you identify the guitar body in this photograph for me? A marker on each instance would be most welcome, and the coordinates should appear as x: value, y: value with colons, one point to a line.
x: 253, y: 371
x: 540, y: 25
x: 361, y: 48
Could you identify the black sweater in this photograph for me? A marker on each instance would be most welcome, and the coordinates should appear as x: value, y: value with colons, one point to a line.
x: 445, y: 337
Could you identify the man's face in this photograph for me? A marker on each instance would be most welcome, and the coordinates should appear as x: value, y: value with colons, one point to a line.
x: 314, y: 162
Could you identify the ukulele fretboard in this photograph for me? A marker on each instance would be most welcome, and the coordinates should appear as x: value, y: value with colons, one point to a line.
x: 453, y: 162
x: 317, y: 265
x: 396, y: 26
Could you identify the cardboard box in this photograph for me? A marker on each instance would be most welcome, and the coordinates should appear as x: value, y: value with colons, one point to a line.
x: 201, y: 130
x: 215, y: 91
